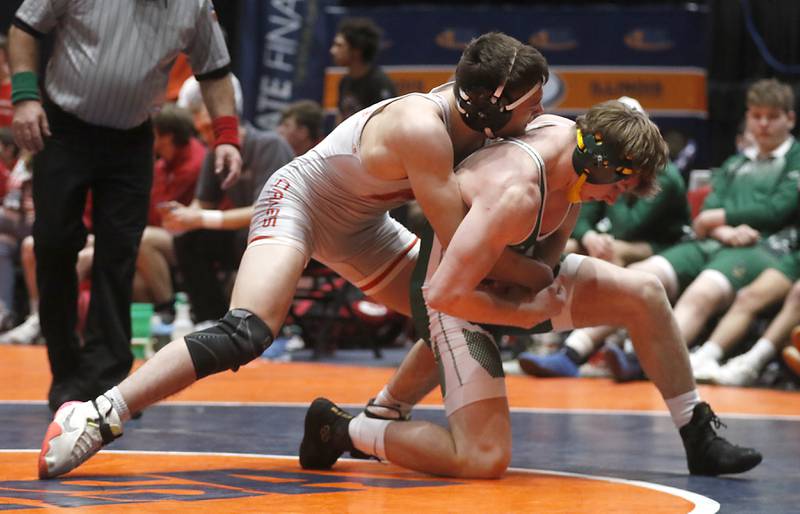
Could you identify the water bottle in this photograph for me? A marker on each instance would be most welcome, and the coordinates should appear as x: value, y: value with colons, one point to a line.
x: 160, y: 332
x: 183, y: 321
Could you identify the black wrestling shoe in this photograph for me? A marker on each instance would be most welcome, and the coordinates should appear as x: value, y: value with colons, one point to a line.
x: 709, y: 454
x: 326, y: 436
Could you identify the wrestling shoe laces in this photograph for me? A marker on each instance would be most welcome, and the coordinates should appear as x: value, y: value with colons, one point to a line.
x: 707, y: 453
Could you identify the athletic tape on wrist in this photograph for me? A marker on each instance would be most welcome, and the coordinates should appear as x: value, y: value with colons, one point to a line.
x: 212, y: 219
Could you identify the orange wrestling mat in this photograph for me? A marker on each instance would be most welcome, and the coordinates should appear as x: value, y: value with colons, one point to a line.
x: 134, y: 482
x: 24, y: 375
x: 130, y: 477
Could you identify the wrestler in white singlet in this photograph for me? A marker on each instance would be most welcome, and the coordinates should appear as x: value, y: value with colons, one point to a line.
x: 328, y: 207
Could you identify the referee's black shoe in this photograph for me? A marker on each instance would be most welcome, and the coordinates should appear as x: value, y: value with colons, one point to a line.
x: 326, y: 435
x: 709, y: 454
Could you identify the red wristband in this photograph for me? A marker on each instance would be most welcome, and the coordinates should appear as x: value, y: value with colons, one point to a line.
x: 226, y: 130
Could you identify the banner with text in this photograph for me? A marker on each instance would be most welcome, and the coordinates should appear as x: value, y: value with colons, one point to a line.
x: 282, y: 54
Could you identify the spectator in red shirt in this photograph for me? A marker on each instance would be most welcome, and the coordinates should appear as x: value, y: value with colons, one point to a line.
x: 6, y: 109
x: 181, y: 156
x: 9, y: 152
x: 16, y: 219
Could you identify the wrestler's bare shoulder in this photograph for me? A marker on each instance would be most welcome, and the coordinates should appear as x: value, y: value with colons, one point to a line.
x: 550, y: 139
x: 412, y: 115
x: 407, y: 126
x: 551, y: 119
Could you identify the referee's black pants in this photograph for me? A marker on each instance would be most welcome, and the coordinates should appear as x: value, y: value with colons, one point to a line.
x: 201, y: 255
x: 117, y: 167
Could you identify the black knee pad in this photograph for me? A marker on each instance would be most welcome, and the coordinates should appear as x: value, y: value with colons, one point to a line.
x: 239, y: 337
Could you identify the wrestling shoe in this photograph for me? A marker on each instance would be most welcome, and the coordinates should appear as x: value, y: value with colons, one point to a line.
x: 326, y: 435
x: 739, y: 371
x: 709, y: 454
x: 27, y: 332
x: 624, y: 366
x: 548, y: 366
x: 77, y: 432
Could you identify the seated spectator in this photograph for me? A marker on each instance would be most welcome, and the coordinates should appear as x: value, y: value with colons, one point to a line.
x: 6, y: 108
x: 9, y: 152
x: 301, y: 125
x: 770, y: 288
x: 16, y: 222
x: 30, y: 331
x: 189, y: 98
x: 355, y: 46
x: 180, y: 157
x: 217, y: 222
x: 753, y: 196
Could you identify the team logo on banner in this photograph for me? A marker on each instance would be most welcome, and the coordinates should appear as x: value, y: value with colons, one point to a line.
x: 554, y: 40
x: 649, y: 40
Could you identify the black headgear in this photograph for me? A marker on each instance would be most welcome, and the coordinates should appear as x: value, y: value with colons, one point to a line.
x: 488, y: 115
x: 596, y: 163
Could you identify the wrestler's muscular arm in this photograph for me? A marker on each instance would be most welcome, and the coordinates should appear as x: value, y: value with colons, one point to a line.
x: 422, y: 143
x: 496, y: 218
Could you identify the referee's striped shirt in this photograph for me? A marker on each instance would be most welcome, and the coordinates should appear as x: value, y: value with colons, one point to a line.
x: 111, y: 58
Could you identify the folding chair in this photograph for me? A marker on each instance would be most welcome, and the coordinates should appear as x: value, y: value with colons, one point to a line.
x: 322, y: 308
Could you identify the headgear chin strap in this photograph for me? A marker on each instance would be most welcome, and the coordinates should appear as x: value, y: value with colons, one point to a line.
x: 593, y: 162
x: 492, y: 114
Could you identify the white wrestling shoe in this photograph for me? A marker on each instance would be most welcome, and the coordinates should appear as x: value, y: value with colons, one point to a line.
x: 738, y: 371
x: 78, y: 431
x: 703, y: 366
x: 27, y: 332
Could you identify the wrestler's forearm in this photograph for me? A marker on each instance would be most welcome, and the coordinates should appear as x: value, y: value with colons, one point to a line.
x: 498, y: 307
x: 514, y: 268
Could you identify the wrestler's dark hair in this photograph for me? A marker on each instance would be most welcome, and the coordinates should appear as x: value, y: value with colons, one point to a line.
x: 486, y: 63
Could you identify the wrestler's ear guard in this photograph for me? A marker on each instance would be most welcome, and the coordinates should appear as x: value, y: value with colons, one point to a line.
x: 594, y: 163
x: 489, y: 114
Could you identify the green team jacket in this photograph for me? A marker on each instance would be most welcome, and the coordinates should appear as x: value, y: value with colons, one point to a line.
x: 659, y: 220
x: 762, y: 194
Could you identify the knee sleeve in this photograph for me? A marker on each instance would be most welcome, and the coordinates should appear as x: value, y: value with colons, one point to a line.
x: 239, y: 337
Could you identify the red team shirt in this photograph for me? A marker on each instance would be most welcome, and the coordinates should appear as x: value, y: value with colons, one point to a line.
x: 6, y: 109
x: 176, y: 179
